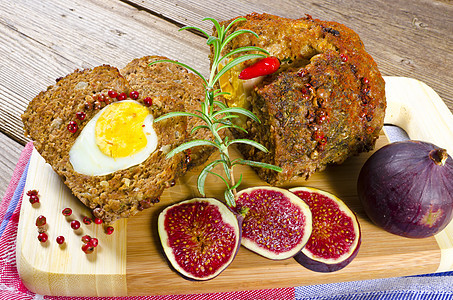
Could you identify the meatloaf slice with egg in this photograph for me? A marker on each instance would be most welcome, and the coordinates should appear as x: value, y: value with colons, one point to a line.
x: 56, y: 118
x: 324, y: 104
x: 168, y: 80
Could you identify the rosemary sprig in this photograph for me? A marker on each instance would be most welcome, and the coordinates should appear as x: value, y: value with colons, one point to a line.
x: 215, y: 114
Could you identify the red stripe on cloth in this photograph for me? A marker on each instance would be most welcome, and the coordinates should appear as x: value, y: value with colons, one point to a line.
x: 20, y: 167
x: 270, y: 294
x: 11, y: 287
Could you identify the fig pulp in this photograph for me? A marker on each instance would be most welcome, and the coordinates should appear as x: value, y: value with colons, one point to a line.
x: 406, y: 188
x: 335, y: 238
x: 200, y: 237
x: 277, y: 224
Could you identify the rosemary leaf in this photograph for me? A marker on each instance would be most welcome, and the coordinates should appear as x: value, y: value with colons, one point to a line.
x: 229, y: 198
x: 234, y: 62
x: 190, y: 144
x: 249, y: 142
x: 217, y: 115
x: 235, y: 21
x: 243, y: 49
x: 239, y: 110
x: 204, y: 173
x: 236, y: 33
x: 194, y: 28
x: 177, y: 114
x: 182, y: 65
x: 199, y: 127
x: 257, y: 164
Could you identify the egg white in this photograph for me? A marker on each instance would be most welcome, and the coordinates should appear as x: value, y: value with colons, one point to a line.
x: 86, y: 158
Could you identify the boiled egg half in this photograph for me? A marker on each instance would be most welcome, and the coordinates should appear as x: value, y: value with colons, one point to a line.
x: 119, y: 136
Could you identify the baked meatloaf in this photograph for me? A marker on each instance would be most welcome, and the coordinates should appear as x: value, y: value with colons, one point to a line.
x: 326, y: 102
x: 168, y: 79
x: 55, y: 118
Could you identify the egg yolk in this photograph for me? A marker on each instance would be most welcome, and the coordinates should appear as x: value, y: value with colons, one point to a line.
x: 119, y: 129
x: 230, y: 83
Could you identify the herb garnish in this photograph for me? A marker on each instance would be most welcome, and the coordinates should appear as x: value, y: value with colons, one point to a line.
x: 215, y: 114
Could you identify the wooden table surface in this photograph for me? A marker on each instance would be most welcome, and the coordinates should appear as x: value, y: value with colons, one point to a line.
x: 43, y: 40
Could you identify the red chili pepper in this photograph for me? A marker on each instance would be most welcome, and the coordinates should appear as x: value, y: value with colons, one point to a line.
x: 266, y: 66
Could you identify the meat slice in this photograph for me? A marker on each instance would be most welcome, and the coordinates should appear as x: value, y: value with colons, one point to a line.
x: 325, y: 104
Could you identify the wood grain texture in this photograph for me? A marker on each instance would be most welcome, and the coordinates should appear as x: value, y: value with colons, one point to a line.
x: 45, y: 40
x: 406, y: 38
x: 9, y: 155
x: 52, y: 269
x: 138, y: 266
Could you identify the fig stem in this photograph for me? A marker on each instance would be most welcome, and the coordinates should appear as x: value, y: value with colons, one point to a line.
x: 438, y: 156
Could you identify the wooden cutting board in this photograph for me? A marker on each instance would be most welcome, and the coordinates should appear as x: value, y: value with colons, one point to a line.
x: 130, y: 261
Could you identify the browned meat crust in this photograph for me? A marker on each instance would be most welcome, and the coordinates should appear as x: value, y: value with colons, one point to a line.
x: 326, y: 103
x: 122, y: 193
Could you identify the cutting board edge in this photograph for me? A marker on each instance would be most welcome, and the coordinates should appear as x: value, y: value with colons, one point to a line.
x: 427, y: 121
x: 94, y: 282
x: 443, y: 239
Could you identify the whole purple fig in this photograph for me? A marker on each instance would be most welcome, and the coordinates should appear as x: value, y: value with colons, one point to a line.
x: 407, y: 188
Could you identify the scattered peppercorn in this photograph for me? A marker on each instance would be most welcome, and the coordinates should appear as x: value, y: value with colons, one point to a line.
x: 344, y: 57
x: 60, y: 239
x: 88, y: 105
x: 67, y: 212
x: 87, y: 221
x: 112, y: 94
x: 302, y: 72
x: 33, y: 196
x: 34, y: 199
x: 148, y: 101
x: 332, y: 31
x: 97, y: 104
x: 134, y: 95
x: 94, y: 242
x: 101, y: 97
x: 81, y: 115
x: 72, y: 126
x: 41, y: 221
x: 42, y: 237
x: 144, y: 204
x: 32, y: 192
x: 109, y: 230
x: 121, y: 96
x: 75, y: 224
x: 87, y: 248
x: 86, y: 239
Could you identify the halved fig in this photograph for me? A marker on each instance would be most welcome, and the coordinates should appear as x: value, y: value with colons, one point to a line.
x: 277, y: 223
x: 336, y: 237
x: 200, y: 237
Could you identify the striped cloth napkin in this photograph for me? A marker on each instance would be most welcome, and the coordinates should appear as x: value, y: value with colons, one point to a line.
x: 432, y: 286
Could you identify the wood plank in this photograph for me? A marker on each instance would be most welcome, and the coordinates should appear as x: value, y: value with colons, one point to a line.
x: 44, y: 40
x: 146, y: 271
x: 9, y: 155
x: 406, y: 38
